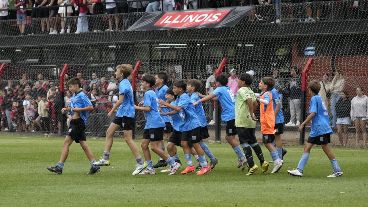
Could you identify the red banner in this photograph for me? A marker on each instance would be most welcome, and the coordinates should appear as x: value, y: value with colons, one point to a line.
x: 189, y: 19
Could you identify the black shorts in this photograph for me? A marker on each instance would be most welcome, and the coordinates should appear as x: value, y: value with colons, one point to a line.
x: 231, y: 128
x: 268, y: 138
x: 247, y: 135
x: 279, y: 128
x: 320, y: 140
x: 77, y: 130
x: 168, y: 127
x: 176, y: 138
x: 43, y: 12
x: 192, y: 136
x: 155, y: 134
x: 204, y: 133
x: 53, y: 12
x: 111, y: 11
x: 126, y: 123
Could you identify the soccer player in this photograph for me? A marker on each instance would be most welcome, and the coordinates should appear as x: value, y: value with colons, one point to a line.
x: 268, y: 121
x: 279, y: 124
x: 192, y: 89
x: 79, y: 107
x: 124, y: 118
x: 319, y: 134
x: 227, y: 101
x: 191, y: 130
x: 154, y: 128
x: 245, y: 122
x: 161, y: 88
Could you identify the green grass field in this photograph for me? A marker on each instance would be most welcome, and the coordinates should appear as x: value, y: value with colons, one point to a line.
x: 24, y: 180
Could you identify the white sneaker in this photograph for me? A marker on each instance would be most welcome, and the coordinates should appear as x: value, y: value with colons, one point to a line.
x: 277, y: 166
x: 335, y: 174
x: 53, y: 32
x: 297, y: 123
x: 138, y: 169
x: 290, y: 124
x: 295, y: 173
x: 6, y: 129
x: 77, y: 32
x: 212, y: 122
x: 174, y: 168
x: 277, y: 21
x: 102, y: 162
x: 148, y: 171
x: 62, y: 31
x: 68, y: 31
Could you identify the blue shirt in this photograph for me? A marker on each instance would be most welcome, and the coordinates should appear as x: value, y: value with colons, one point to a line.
x: 80, y: 100
x: 177, y: 118
x: 276, y: 98
x: 199, y: 110
x: 190, y: 117
x: 227, y: 101
x: 153, y: 118
x: 127, y: 107
x: 321, y: 121
x: 161, y: 92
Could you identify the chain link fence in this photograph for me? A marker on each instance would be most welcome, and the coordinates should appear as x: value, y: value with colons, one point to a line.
x: 31, y: 65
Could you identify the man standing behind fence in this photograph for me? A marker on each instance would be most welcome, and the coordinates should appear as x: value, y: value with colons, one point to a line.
x: 295, y: 95
x: 210, y: 83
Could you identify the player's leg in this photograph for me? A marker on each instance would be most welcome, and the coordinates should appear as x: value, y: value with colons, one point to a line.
x: 147, y: 155
x: 206, y: 149
x: 58, y: 168
x: 105, y: 160
x: 128, y: 137
x: 234, y: 143
x: 186, y: 137
x: 304, y: 159
x: 87, y: 150
x: 327, y: 150
x: 167, y: 134
x: 268, y: 140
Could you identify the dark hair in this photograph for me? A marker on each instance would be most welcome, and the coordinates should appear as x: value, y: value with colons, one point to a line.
x: 149, y: 79
x: 125, y: 69
x: 248, y: 79
x: 180, y: 84
x: 74, y: 81
x: 222, y: 79
x: 269, y: 82
x: 170, y: 91
x: 314, y: 86
x: 163, y: 76
x: 195, y: 83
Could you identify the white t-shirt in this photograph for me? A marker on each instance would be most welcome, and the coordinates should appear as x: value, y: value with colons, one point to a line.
x: 110, y: 4
x: 4, y: 4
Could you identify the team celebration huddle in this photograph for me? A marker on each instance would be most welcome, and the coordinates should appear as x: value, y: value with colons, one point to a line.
x: 176, y: 114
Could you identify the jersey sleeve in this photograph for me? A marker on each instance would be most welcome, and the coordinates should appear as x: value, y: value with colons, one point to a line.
x: 86, y: 101
x: 184, y: 101
x: 147, y: 99
x: 122, y: 88
x: 313, y: 105
x: 217, y: 92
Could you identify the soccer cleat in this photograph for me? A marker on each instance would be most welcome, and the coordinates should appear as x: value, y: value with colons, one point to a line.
x: 174, y: 168
x: 94, y: 169
x: 148, y: 171
x: 295, y: 173
x: 277, y: 166
x: 55, y: 169
x: 213, y: 163
x: 252, y: 170
x: 160, y: 163
x: 138, y: 169
x: 335, y: 174
x: 204, y: 170
x: 265, y: 166
x: 188, y: 169
x: 102, y: 162
x: 242, y: 163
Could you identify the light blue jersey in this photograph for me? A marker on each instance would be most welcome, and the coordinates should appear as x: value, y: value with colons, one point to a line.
x: 227, y: 101
x: 199, y: 109
x: 80, y: 100
x: 277, y: 97
x: 189, y: 115
x: 127, y: 107
x: 153, y: 118
x: 161, y: 92
x: 321, y: 121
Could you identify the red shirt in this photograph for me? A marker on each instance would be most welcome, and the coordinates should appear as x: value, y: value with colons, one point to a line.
x: 82, y: 7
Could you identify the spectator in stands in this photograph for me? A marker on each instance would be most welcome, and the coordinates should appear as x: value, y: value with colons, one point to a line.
x: 53, y: 11
x: 94, y: 80
x: 24, y: 80
x: 104, y: 83
x: 44, y: 14
x: 97, y: 9
x: 18, y: 111
x: 67, y: 100
x: 153, y: 6
x: 276, y: 76
x: 65, y: 12
x: 325, y: 90
x: 359, y: 113
x: 59, y: 116
x: 29, y: 113
x: 4, y: 4
x: 20, y: 5
x: 277, y: 6
x: 43, y: 113
x: 52, y: 114
x: 309, y: 11
x: 295, y: 96
x: 343, y: 118
x: 82, y: 23
x: 210, y: 84
x: 40, y: 78
x: 233, y: 81
x: 52, y: 90
x: 93, y: 96
x: 37, y: 90
x: 7, y: 107
x: 84, y: 83
x: 111, y: 10
x: 337, y: 86
x: 168, y: 5
x: 137, y: 6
